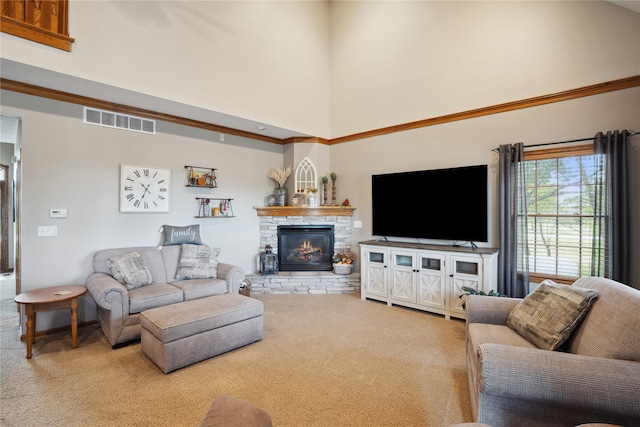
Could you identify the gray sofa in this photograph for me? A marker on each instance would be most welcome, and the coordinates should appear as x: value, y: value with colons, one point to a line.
x: 593, y: 377
x: 119, y: 309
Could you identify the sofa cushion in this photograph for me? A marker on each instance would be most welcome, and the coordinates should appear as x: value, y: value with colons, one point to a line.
x: 198, y: 262
x: 152, y: 296
x: 189, y: 234
x: 151, y: 254
x: 200, y: 288
x: 482, y: 333
x: 547, y: 316
x: 611, y: 329
x: 130, y: 269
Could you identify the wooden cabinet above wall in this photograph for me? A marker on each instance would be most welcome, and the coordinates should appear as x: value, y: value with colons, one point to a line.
x: 41, y: 21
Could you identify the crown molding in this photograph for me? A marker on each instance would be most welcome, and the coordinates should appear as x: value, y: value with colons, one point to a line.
x: 596, y: 89
x: 567, y: 95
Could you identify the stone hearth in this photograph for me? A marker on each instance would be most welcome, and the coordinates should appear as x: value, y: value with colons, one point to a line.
x: 306, y: 282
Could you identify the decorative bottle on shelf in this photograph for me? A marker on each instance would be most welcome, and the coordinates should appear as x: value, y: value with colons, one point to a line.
x: 271, y: 199
x: 282, y: 195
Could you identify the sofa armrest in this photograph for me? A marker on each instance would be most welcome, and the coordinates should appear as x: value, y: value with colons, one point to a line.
x: 108, y: 292
x: 581, y: 383
x: 232, y: 274
x: 492, y: 310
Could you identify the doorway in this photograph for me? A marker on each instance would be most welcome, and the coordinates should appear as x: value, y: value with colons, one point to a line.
x: 5, y: 262
x: 10, y: 150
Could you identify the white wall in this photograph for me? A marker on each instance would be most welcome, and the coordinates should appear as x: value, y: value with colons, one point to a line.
x: 76, y: 166
x: 470, y: 142
x: 394, y: 62
x: 262, y: 60
x: 391, y: 62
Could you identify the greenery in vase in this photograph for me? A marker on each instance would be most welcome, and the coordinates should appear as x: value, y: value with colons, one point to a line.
x: 472, y: 291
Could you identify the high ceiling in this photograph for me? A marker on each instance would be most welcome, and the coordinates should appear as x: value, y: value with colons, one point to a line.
x: 629, y: 4
x: 41, y: 77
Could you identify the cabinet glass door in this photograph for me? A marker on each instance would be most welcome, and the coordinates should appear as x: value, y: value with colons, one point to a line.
x: 403, y: 260
x: 430, y: 263
x: 466, y: 274
x: 465, y: 267
x: 374, y: 274
x: 377, y: 257
x: 431, y: 280
x: 403, y: 276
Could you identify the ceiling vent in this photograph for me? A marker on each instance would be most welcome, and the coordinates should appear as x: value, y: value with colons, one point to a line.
x: 110, y: 119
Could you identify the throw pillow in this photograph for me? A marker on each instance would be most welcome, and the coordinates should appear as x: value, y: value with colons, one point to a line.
x: 547, y: 316
x: 189, y: 234
x: 130, y: 269
x: 198, y: 262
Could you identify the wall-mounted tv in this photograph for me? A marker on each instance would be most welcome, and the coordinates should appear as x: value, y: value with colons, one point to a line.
x: 439, y: 204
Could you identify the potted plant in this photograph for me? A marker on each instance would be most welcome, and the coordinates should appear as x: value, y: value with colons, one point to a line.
x: 472, y: 291
x: 312, y: 198
x: 325, y: 181
x: 280, y: 175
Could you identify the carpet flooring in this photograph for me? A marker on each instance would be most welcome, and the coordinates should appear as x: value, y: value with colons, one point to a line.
x: 325, y: 360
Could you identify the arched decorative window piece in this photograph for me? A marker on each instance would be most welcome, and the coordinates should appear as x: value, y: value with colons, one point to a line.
x: 306, y: 176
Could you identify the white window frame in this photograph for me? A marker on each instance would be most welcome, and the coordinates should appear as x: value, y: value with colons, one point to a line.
x: 559, y: 247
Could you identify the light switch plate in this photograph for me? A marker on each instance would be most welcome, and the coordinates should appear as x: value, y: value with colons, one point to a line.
x: 47, y: 231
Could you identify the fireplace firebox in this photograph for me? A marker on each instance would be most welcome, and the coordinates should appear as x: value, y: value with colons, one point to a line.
x: 305, y: 247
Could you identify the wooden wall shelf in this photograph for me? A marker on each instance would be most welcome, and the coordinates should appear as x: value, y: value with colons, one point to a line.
x: 305, y: 210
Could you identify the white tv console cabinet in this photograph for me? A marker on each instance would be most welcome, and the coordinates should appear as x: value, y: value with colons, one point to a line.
x: 425, y: 277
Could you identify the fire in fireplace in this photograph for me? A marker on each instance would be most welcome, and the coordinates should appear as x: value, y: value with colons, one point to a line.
x: 305, y: 247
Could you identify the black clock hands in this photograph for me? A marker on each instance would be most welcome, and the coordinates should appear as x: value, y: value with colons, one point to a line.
x: 146, y: 190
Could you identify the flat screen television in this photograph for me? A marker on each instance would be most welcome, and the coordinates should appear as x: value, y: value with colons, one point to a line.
x: 439, y: 204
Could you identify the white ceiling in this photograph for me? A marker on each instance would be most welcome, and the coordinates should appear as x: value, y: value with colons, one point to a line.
x: 629, y: 4
x: 41, y: 77
x: 52, y: 80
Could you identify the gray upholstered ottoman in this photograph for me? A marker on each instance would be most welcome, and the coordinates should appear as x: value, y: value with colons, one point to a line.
x: 178, y: 335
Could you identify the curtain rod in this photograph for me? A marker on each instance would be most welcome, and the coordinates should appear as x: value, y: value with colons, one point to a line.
x: 560, y: 142
x: 631, y: 133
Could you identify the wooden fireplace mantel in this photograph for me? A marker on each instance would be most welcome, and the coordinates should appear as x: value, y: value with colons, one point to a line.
x: 305, y: 210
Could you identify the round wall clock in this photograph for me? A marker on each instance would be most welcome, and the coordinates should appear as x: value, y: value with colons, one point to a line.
x: 144, y: 189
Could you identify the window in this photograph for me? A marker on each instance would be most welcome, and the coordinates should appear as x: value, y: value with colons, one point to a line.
x: 42, y: 21
x: 561, y: 195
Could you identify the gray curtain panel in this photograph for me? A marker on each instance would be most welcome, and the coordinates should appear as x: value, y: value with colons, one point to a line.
x: 513, y: 259
x: 613, y: 213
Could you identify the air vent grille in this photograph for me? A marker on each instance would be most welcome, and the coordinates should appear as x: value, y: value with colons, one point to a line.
x: 110, y: 119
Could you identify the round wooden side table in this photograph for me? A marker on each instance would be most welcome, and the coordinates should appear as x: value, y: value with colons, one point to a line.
x: 50, y: 299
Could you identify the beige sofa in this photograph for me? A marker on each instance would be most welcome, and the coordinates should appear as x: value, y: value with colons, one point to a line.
x: 119, y: 309
x: 593, y: 377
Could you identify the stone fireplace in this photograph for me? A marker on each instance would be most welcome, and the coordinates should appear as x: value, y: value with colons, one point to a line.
x: 303, y: 280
